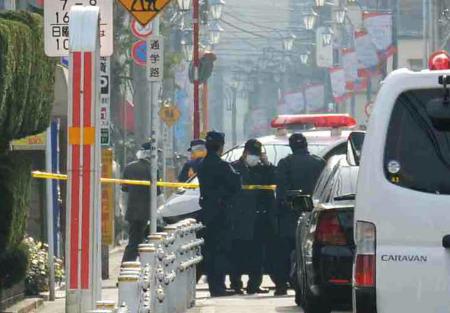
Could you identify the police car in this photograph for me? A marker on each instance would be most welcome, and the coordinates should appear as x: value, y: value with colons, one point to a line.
x: 327, y: 136
x: 402, y: 217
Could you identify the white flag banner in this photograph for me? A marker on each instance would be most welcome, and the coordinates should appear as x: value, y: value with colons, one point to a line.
x: 350, y: 64
x: 337, y: 78
x: 315, y: 97
x: 324, y: 52
x: 366, y: 53
x: 379, y: 27
x: 292, y: 103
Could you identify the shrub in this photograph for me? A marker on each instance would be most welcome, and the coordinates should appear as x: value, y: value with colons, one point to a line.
x: 36, y: 279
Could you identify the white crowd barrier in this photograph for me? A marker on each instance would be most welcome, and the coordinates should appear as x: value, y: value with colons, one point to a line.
x: 163, y: 280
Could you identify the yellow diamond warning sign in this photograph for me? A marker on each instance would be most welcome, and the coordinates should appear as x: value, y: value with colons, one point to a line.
x: 144, y: 11
x: 170, y: 115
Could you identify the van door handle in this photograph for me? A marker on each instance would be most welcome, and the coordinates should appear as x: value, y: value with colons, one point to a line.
x: 446, y: 241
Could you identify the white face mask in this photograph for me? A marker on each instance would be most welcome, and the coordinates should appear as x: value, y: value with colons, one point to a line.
x: 143, y: 154
x: 252, y: 160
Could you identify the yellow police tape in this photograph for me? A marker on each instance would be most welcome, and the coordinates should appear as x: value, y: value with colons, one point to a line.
x: 45, y: 175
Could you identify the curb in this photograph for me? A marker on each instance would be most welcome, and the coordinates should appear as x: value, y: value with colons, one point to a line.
x: 25, y: 306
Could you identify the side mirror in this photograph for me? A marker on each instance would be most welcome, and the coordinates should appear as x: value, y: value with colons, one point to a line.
x: 354, y: 147
x: 299, y: 203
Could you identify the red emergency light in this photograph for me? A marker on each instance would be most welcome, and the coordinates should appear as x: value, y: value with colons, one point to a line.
x: 439, y: 60
x: 318, y: 120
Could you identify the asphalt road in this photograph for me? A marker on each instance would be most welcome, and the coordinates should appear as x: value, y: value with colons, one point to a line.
x: 266, y: 303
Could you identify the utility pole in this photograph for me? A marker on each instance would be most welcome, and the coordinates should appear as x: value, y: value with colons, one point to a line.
x: 196, y: 63
x: 234, y: 117
x: 154, y: 135
x: 395, y: 24
x: 425, y: 33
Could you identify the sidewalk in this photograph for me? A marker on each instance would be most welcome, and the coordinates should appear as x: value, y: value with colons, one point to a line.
x: 109, y: 290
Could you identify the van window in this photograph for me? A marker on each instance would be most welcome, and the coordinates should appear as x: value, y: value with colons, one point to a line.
x: 417, y: 155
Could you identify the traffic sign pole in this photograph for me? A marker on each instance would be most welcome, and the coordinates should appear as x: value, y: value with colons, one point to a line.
x: 83, y: 255
x: 155, y: 86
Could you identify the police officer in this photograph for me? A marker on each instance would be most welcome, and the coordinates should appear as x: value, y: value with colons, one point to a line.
x: 138, y: 205
x: 219, y: 183
x: 190, y: 168
x: 252, y: 218
x: 298, y: 171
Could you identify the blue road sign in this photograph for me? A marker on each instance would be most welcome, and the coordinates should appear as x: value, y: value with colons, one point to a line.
x: 139, y: 52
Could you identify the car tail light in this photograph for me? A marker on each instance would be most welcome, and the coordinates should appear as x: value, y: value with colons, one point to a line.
x: 365, y: 259
x: 329, y: 230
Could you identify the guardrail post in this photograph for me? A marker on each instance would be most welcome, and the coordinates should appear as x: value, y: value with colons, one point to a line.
x: 129, y: 292
x: 159, y: 295
x: 170, y: 268
x: 165, y: 278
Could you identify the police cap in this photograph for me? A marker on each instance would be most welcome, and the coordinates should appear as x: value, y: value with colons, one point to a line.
x: 146, y: 146
x: 298, y: 141
x: 196, y: 142
x: 215, y: 137
x: 253, y: 146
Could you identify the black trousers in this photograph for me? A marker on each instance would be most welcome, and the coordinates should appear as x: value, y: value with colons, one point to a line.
x: 137, y: 231
x: 214, y: 265
x: 281, y: 250
x: 248, y: 256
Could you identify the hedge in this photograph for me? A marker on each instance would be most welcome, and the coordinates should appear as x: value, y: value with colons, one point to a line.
x: 26, y: 76
x: 26, y: 96
x: 15, y: 188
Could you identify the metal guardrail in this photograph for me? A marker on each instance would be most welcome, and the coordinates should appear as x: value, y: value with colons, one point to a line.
x: 164, y: 278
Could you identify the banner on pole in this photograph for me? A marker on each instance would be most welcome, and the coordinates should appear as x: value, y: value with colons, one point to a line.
x: 366, y: 53
x: 324, y: 52
x: 292, y: 103
x: 315, y: 97
x: 350, y: 65
x: 338, y: 84
x: 107, y: 199
x: 105, y: 101
x: 379, y: 27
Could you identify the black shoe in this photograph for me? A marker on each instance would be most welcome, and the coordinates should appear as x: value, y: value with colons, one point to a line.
x: 224, y: 293
x: 280, y: 292
x: 258, y: 291
x: 238, y: 291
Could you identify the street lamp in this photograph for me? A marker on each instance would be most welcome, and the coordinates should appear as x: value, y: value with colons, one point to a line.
x: 188, y: 49
x: 215, y: 31
x: 327, y: 37
x: 216, y: 8
x: 310, y: 20
x: 184, y: 5
x: 340, y: 15
x: 320, y: 3
x: 288, y: 42
x: 304, y: 57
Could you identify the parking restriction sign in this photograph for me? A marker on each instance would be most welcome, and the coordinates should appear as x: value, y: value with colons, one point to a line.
x: 56, y: 17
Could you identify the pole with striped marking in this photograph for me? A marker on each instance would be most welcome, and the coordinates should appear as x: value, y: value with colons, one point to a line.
x: 83, y: 167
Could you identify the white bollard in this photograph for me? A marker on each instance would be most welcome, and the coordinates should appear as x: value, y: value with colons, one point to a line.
x: 158, y: 291
x: 106, y: 305
x: 129, y: 292
x: 147, y: 253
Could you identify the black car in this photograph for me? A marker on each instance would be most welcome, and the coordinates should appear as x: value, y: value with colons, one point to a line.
x: 324, y: 239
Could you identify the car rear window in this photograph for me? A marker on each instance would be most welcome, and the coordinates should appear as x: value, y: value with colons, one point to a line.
x: 417, y: 155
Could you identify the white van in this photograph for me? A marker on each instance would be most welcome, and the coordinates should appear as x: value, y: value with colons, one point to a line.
x: 402, y: 214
